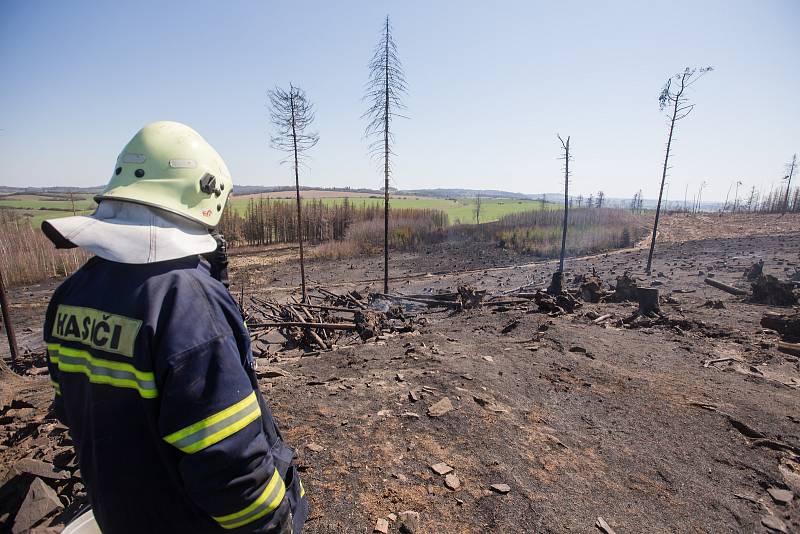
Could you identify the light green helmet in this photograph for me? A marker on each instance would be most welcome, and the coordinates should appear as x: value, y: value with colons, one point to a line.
x: 168, y: 165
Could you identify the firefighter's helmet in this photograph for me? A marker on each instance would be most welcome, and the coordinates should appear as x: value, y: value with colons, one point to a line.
x: 168, y: 165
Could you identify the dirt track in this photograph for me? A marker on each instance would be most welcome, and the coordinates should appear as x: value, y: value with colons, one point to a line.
x: 620, y: 429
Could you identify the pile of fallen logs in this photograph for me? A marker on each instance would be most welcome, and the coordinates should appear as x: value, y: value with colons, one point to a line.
x: 325, y: 321
x: 553, y: 301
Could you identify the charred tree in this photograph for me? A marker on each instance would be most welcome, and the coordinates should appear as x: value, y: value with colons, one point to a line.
x: 477, y: 209
x: 385, y: 90
x: 673, y: 95
x: 791, y: 166
x: 12, y: 337
x: 292, y: 115
x: 566, y: 158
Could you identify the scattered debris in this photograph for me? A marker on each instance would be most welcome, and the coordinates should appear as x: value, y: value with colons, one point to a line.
x: 591, y: 289
x: 369, y: 324
x: 440, y: 408
x: 626, y: 289
x: 788, y: 326
x: 452, y: 481
x: 39, y: 503
x: 489, y: 404
x: 708, y: 363
x: 773, y: 523
x: 510, y: 326
x: 713, y: 304
x: 780, y: 496
x: 381, y: 525
x: 769, y: 290
x: 603, y: 526
x: 441, y: 468
x: 556, y: 305
x: 410, y: 522
x: 329, y: 322
x: 754, y: 271
x: 501, y: 488
x: 469, y: 297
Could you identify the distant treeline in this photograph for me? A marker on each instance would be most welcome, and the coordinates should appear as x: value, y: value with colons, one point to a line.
x: 266, y: 221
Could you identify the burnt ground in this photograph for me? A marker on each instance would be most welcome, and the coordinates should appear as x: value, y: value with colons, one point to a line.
x: 637, y: 425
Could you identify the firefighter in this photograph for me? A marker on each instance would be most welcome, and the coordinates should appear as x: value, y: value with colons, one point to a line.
x: 150, y: 357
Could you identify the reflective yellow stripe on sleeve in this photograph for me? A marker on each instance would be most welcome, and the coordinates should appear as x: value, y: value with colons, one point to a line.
x: 100, y: 371
x: 217, y: 427
x: 267, y: 501
x: 56, y: 387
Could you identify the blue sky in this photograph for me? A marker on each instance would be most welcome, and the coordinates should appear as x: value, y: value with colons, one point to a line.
x: 491, y: 83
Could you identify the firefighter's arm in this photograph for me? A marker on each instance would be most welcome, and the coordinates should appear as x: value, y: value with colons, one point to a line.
x: 211, y: 417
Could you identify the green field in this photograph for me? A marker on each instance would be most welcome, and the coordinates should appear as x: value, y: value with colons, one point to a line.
x: 36, y: 208
x: 458, y: 210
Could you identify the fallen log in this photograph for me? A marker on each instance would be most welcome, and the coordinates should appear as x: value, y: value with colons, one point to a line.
x: 725, y: 287
x: 429, y: 302
x: 451, y: 296
x: 788, y: 326
x: 327, y: 308
x: 789, y: 348
x: 506, y: 302
x: 326, y: 326
x: 603, y: 318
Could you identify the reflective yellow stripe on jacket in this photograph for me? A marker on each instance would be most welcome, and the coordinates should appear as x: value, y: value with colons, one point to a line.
x: 267, y: 501
x: 217, y: 427
x: 100, y: 371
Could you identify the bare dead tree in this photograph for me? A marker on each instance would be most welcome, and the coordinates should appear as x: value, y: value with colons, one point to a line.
x: 727, y: 195
x: 385, y: 90
x: 736, y: 196
x: 478, y: 208
x: 673, y: 95
x: 292, y: 115
x: 10, y: 332
x: 566, y: 157
x: 788, y: 179
x: 752, y: 199
x: 600, y: 198
x: 699, y: 196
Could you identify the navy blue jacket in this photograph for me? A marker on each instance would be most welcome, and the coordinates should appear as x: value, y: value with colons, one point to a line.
x: 153, y: 375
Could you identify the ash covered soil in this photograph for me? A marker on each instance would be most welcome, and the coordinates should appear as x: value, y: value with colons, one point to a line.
x: 550, y: 422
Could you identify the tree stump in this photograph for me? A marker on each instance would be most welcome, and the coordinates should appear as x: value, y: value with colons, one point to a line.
x: 648, y: 300
x: 557, y: 284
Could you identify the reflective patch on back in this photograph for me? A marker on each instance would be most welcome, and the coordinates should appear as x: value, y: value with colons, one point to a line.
x: 96, y: 329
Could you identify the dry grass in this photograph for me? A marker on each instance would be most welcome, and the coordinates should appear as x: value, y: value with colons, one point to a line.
x: 28, y: 257
x: 536, y: 233
x: 589, y: 230
x: 408, y: 230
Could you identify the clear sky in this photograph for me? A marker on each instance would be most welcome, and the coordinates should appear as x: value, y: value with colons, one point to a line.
x: 491, y: 83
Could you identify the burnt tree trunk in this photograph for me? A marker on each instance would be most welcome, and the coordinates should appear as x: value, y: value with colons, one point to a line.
x: 648, y: 300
